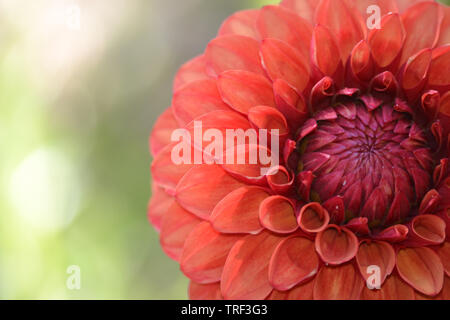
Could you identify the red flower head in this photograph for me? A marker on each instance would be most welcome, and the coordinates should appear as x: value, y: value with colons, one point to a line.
x: 361, y: 193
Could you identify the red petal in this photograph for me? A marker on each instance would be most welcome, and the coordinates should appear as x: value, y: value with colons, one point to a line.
x: 386, y: 43
x: 303, y: 291
x: 429, y: 202
x: 177, y: 223
x: 277, y: 214
x: 263, y: 117
x: 444, y: 253
x: 376, y: 253
x: 282, y: 24
x: 422, y: 269
x: 394, y: 288
x: 191, y: 71
x: 245, y: 275
x: 304, y: 8
x: 162, y: 131
x: 280, y: 182
x: 325, y: 51
x: 422, y: 22
x: 243, y: 90
x: 238, y: 212
x: 165, y: 172
x: 415, y: 73
x: 199, y: 291
x: 336, y: 209
x: 313, y: 218
x: 283, y: 61
x: 202, y: 187
x: 278, y: 295
x: 338, y: 283
x: 205, y: 252
x: 293, y: 261
x: 439, y: 69
x: 336, y: 245
x: 358, y: 225
x: 445, y: 27
x: 361, y: 61
x: 241, y: 23
x: 159, y: 204
x: 335, y: 15
x: 233, y: 52
x: 195, y: 99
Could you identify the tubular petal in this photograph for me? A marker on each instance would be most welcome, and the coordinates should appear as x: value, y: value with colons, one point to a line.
x: 293, y: 261
x: 202, y: 187
x: 336, y: 245
x: 241, y: 23
x: 427, y: 229
x: 238, y: 212
x: 243, y: 90
x: 378, y: 253
x: 422, y: 269
x: 199, y: 291
x: 205, y: 252
x: 342, y: 282
x: 313, y: 218
x: 277, y: 214
x: 176, y: 225
x: 233, y: 52
x: 282, y: 61
x: 245, y: 275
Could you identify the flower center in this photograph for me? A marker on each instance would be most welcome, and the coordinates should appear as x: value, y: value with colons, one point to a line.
x: 376, y: 159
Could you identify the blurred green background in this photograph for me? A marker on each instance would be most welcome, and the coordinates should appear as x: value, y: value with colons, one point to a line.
x: 78, y: 99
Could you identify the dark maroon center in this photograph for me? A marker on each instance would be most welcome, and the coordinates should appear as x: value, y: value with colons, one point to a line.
x: 377, y: 160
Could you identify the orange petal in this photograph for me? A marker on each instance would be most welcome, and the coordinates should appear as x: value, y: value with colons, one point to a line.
x: 293, y: 261
x: 283, y: 61
x: 277, y: 214
x: 336, y: 245
x: 415, y: 73
x: 283, y: 24
x: 162, y: 131
x: 422, y: 23
x: 313, y: 217
x: 199, y: 291
x: 195, y: 99
x: 340, y: 20
x: 176, y: 225
x: 422, y: 269
x: 444, y: 253
x: 394, y: 288
x: 193, y: 70
x: 238, y: 212
x: 304, y: 8
x: 338, y: 283
x: 303, y: 291
x: 386, y: 43
x: 245, y: 275
x: 427, y: 229
x: 361, y: 61
x: 241, y: 23
x: 159, y: 204
x: 277, y: 295
x: 325, y: 52
x: 243, y: 90
x: 378, y: 253
x: 233, y: 52
x: 202, y: 187
x: 205, y: 252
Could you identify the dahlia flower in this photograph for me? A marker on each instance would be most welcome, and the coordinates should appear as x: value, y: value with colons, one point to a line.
x: 363, y: 182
